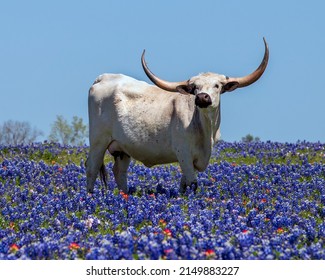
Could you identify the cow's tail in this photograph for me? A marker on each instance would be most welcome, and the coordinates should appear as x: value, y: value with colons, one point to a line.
x: 103, y: 174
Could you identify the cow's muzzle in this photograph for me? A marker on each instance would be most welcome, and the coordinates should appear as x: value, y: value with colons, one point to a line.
x: 203, y: 100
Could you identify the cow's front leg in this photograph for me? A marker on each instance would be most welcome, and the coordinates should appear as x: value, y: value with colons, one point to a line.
x: 184, y: 185
x: 120, y: 169
x: 189, y: 177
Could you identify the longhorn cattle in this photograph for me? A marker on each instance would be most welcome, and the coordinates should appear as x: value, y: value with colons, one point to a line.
x: 157, y: 124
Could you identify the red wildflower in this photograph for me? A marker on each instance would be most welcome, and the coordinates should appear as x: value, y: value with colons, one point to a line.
x: 263, y: 200
x: 209, y: 253
x: 167, y: 251
x: 125, y: 196
x: 4, y: 167
x: 280, y: 230
x: 162, y: 222
x: 244, y: 231
x: 12, y: 225
x: 74, y: 246
x: 14, y: 247
x: 167, y: 232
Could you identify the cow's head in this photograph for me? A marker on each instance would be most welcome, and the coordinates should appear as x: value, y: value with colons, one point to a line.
x: 207, y: 87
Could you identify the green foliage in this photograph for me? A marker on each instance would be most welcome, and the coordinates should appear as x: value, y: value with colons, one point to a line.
x: 68, y: 134
x: 250, y: 138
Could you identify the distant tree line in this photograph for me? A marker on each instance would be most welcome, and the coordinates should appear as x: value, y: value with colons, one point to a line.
x: 250, y: 138
x: 16, y: 132
x: 74, y: 133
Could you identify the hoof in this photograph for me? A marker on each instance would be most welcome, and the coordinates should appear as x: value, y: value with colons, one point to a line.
x: 90, y: 191
x: 191, y: 188
x: 194, y: 187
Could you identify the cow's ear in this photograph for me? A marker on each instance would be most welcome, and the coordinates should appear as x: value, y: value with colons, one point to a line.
x: 185, y: 89
x: 230, y: 86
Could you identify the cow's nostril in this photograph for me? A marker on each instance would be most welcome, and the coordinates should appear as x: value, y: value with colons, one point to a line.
x: 203, y: 100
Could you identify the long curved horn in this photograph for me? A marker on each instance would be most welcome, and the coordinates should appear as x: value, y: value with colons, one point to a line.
x: 253, y: 77
x: 169, y: 86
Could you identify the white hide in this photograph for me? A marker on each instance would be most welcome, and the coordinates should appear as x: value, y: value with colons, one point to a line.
x: 151, y: 125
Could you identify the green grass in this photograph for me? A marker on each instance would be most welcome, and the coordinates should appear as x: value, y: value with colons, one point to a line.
x: 231, y: 155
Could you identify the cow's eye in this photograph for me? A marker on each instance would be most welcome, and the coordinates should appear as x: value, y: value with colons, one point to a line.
x: 216, y: 86
x: 192, y: 89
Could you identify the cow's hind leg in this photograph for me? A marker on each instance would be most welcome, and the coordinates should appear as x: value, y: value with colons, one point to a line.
x: 95, y: 163
x: 120, y: 169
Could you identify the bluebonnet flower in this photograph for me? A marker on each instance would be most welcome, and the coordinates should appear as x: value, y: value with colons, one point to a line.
x: 271, y: 208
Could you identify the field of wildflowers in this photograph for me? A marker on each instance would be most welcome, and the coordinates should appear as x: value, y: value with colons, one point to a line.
x: 255, y: 201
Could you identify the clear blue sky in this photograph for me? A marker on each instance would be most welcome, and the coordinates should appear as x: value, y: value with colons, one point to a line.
x: 51, y: 51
